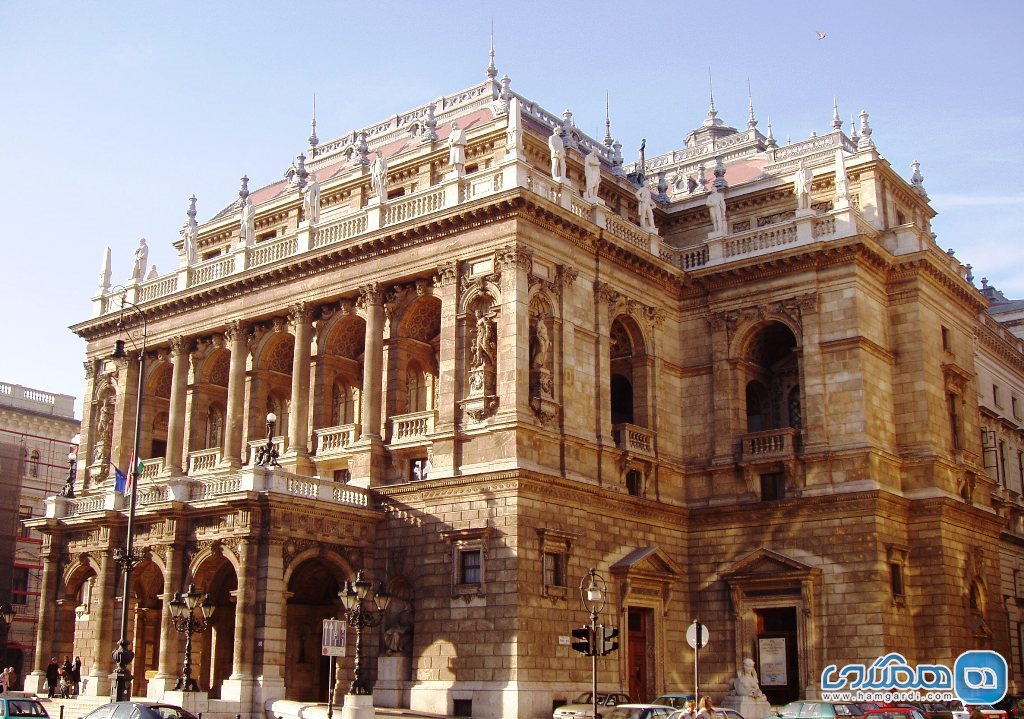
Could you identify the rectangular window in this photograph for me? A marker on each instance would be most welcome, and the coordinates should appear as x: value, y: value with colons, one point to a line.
x: 773, y: 486
x: 24, y: 513
x: 896, y: 578
x: 946, y: 343
x: 469, y: 566
x: 343, y: 476
x: 19, y: 585
x: 995, y: 396
x: 419, y: 468
x: 1002, y: 462
x: 554, y: 573
x: 1014, y: 407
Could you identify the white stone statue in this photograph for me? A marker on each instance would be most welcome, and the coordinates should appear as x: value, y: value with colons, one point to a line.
x: 592, y: 175
x: 557, y: 147
x: 153, y: 274
x: 379, y: 176
x: 543, y: 344
x: 247, y: 230
x: 745, y: 683
x: 483, y: 342
x: 716, y: 208
x: 141, y: 255
x: 311, y: 200
x: 645, y: 203
x: 457, y: 148
x: 802, y: 186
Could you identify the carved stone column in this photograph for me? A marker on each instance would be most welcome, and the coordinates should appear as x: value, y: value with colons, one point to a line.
x: 235, y: 411
x: 271, y: 634
x: 240, y: 685
x: 370, y: 298
x: 513, y: 331
x: 443, y: 460
x: 176, y: 415
x: 47, y: 612
x: 300, y: 316
x: 167, y: 662
x: 104, y: 639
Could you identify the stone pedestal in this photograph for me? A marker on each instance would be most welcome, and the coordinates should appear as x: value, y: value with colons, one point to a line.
x: 749, y: 707
x: 357, y: 706
x: 393, y: 674
x: 195, y: 702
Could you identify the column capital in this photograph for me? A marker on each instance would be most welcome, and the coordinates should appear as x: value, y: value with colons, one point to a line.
x: 236, y: 330
x: 370, y: 294
x: 447, y: 273
x: 300, y: 313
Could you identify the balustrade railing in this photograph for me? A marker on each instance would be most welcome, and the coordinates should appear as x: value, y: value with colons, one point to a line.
x: 413, y: 427
x: 769, y: 444
x: 417, y: 206
x: 632, y: 438
x: 335, y: 440
x: 203, y: 461
x: 151, y: 468
x: 280, y: 444
x: 211, y: 270
x: 272, y: 251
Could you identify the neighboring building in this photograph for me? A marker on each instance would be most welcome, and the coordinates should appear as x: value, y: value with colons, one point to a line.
x: 36, y: 430
x: 746, y: 392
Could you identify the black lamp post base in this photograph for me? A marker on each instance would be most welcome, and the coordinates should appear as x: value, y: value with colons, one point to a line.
x: 186, y: 685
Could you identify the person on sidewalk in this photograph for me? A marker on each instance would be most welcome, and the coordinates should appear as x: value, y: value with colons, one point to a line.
x: 52, y: 677
x: 76, y: 675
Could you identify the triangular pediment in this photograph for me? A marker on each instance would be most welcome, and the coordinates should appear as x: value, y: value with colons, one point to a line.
x: 647, y: 560
x: 765, y: 563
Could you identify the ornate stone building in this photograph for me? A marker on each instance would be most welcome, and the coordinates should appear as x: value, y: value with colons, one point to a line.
x: 738, y: 379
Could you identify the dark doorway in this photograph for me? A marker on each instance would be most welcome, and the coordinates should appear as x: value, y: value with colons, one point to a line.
x: 778, y: 663
x: 641, y: 674
x: 622, y: 400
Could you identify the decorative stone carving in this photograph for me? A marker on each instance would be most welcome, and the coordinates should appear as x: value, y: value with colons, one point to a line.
x: 447, y: 272
x: 592, y: 175
x: 557, y: 149
x: 188, y: 233
x: 745, y: 695
x: 645, y: 208
x: 141, y: 255
x: 802, y: 186
x: 457, y: 150
x: 299, y: 313
x: 370, y: 294
x: 716, y: 209
x: 311, y: 201
x: 379, y: 177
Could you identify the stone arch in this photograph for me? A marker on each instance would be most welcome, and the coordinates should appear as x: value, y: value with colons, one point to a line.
x: 482, y: 288
x: 312, y: 580
x: 629, y: 373
x: 214, y: 570
x: 156, y: 405
x: 338, y: 370
x: 771, y: 377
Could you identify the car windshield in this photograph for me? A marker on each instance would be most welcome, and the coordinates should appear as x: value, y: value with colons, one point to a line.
x: 790, y: 710
x: 26, y: 708
x: 587, y: 698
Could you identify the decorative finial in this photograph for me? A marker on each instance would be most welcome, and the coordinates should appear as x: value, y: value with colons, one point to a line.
x: 244, y: 192
x: 313, y: 140
x: 567, y: 126
x: 430, y: 125
x: 617, y: 157
x: 751, y: 120
x: 702, y: 177
x: 191, y: 212
x: 105, y: 271
x: 917, y: 179
x: 362, y: 150
x: 771, y: 143
x: 301, y: 173
x: 853, y: 130
x: 492, y: 71
x: 970, y: 274
x: 865, y: 142
x: 712, y: 113
x: 607, y: 123
x: 837, y: 124
x: 720, y: 182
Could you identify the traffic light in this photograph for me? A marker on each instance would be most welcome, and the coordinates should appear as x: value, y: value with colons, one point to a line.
x: 609, y: 640
x: 582, y: 641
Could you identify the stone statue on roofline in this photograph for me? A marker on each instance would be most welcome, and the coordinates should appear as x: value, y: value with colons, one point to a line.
x: 557, y: 148
x: 716, y: 208
x: 379, y: 176
x: 457, y: 149
x: 141, y: 256
x: 592, y: 175
x: 645, y: 208
x: 802, y: 186
x: 311, y: 200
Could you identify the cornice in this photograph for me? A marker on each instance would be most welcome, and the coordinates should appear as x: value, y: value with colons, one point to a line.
x: 911, y: 267
x: 999, y: 346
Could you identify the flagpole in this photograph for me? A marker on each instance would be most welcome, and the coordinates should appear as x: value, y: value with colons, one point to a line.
x: 123, y: 654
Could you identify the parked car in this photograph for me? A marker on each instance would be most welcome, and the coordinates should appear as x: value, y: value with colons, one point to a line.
x: 719, y: 714
x: 639, y: 711
x: 676, y: 700
x: 988, y: 710
x: 139, y: 710
x: 19, y: 704
x: 1012, y: 704
x: 819, y: 709
x: 583, y: 705
x: 937, y: 710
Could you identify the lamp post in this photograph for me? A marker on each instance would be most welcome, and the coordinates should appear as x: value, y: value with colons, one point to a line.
x: 69, y: 484
x: 7, y: 613
x: 593, y: 593
x: 266, y: 456
x: 186, y: 621
x: 364, y: 605
x: 127, y: 557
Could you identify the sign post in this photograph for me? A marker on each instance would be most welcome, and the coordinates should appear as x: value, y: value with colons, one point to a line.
x: 697, y: 636
x: 334, y: 636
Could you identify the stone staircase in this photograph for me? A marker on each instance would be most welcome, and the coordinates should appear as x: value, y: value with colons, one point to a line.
x: 74, y: 708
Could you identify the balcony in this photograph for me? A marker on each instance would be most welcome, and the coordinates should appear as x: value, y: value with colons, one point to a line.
x: 771, y: 445
x: 412, y: 428
x: 280, y: 444
x: 203, y: 461
x: 633, y: 439
x: 335, y: 441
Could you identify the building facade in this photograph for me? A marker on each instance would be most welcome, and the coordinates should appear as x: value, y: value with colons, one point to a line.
x: 738, y: 379
x: 37, y: 431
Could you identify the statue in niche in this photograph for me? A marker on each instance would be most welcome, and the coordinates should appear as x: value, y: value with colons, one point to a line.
x: 398, y: 631
x: 141, y: 256
x: 716, y: 208
x: 745, y: 684
x: 379, y: 176
x: 311, y: 200
x: 542, y: 344
x: 104, y: 432
x: 557, y: 148
x: 484, y: 345
x: 802, y: 186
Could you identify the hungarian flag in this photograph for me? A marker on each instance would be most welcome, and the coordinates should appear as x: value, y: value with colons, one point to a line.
x: 133, y: 474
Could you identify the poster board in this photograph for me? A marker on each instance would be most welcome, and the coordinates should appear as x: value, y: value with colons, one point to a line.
x: 771, y: 653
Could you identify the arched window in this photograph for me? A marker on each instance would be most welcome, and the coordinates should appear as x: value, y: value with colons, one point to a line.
x: 622, y: 400
x: 215, y: 427
x: 415, y: 388
x: 344, y: 404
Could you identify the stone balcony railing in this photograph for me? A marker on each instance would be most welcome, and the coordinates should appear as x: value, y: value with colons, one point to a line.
x: 634, y: 439
x: 769, y: 445
x: 335, y: 441
x: 280, y: 444
x: 412, y: 428
x: 203, y: 461
x: 151, y: 468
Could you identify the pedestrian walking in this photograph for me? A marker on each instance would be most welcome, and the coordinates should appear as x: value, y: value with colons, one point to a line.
x: 76, y: 675
x: 52, y: 677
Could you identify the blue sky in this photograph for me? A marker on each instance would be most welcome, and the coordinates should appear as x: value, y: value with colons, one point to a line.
x: 114, y: 113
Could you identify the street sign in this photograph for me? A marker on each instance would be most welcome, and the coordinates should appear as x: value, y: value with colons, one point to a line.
x: 334, y: 638
x: 691, y: 635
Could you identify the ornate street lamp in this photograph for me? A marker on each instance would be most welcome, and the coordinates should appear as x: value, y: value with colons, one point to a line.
x: 69, y: 484
x: 127, y: 557
x: 266, y: 456
x: 364, y: 604
x: 186, y: 621
x: 593, y: 593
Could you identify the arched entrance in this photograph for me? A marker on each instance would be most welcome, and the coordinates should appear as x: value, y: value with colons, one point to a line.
x: 312, y: 597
